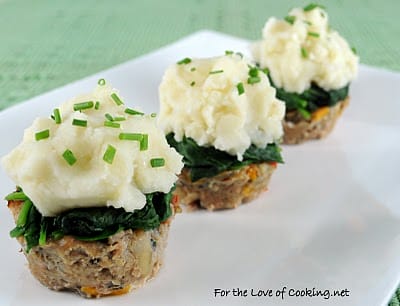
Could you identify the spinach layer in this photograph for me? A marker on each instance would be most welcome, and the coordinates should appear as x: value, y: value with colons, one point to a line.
x: 88, y: 224
x: 208, y: 161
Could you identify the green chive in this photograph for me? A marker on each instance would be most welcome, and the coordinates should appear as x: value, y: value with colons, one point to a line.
x: 266, y: 71
x: 120, y: 118
x: 109, y: 117
x: 16, y: 196
x: 116, y: 99
x: 69, y: 157
x: 57, y: 116
x: 216, y: 71
x: 193, y: 83
x: 184, y: 61
x: 112, y: 124
x: 304, y: 52
x: 354, y: 50
x: 131, y: 111
x: 193, y: 69
x: 302, y: 103
x: 305, y: 114
x: 144, y: 143
x: 42, y: 135
x: 83, y: 105
x: 153, y: 115
x: 313, y: 34
x: 23, y: 214
x: 17, y: 231
x: 290, y: 19
x: 312, y: 6
x: 253, y: 72
x: 43, y: 233
x: 79, y: 122
x: 101, y: 82
x: 157, y: 162
x: 228, y: 52
x: 131, y: 136
x: 253, y: 80
x: 97, y: 105
x: 109, y: 154
x: 240, y: 88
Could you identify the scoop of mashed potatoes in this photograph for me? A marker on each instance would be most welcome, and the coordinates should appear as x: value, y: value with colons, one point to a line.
x: 303, y: 49
x: 222, y: 102
x: 100, y: 154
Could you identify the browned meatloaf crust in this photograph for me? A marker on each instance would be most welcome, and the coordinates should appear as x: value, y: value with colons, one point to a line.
x: 297, y: 129
x: 228, y: 189
x: 93, y: 269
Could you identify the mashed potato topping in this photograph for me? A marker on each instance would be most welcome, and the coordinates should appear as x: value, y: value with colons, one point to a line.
x: 114, y: 160
x: 303, y: 49
x: 221, y: 102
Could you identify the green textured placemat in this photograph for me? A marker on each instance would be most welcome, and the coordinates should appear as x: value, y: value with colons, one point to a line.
x: 45, y: 43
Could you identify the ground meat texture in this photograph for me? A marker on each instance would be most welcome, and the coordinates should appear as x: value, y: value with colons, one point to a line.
x: 297, y: 129
x: 123, y: 262
x: 228, y: 189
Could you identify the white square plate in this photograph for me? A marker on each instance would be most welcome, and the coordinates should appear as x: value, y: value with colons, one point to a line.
x: 330, y: 219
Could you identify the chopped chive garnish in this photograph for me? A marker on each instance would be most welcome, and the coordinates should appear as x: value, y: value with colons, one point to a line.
x: 240, y: 88
x: 184, y: 61
x: 131, y: 136
x: 57, y: 116
x: 17, y: 231
x: 312, y: 6
x: 253, y: 72
x: 305, y: 114
x: 52, y: 117
x: 313, y: 34
x: 42, y: 135
x: 83, y: 105
x: 228, y: 52
x: 302, y: 103
x: 216, y: 71
x: 153, y: 115
x: 253, y: 80
x: 79, y: 122
x: 109, y: 154
x: 265, y: 70
x: 120, y: 118
x: 131, y: 111
x: 240, y: 54
x: 112, y: 124
x: 304, y: 52
x: 97, y: 105
x: 193, y: 69
x: 101, y: 82
x: 109, y: 117
x: 157, y: 162
x: 290, y: 19
x: 354, y: 50
x: 69, y: 157
x: 15, y: 196
x: 43, y: 233
x: 116, y: 99
x: 193, y: 83
x: 144, y: 143
x: 23, y: 214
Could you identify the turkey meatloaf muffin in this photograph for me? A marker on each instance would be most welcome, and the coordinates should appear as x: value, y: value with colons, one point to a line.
x: 94, y: 200
x: 222, y: 115
x: 311, y: 66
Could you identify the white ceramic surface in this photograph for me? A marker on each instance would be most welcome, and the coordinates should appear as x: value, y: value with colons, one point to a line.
x: 330, y: 219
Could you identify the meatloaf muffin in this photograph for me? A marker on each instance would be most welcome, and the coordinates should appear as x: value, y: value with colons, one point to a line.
x: 94, y: 199
x: 311, y: 66
x: 222, y: 115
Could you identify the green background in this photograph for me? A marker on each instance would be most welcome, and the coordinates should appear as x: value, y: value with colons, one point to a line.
x: 46, y: 43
